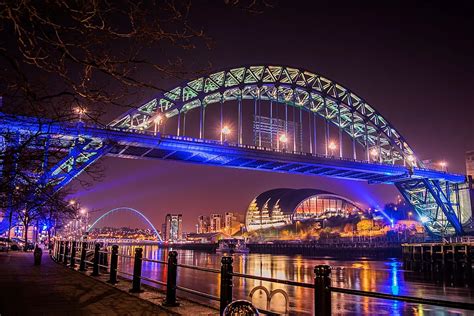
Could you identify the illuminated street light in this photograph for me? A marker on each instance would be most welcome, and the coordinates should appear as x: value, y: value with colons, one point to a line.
x: 158, y: 119
x: 72, y: 202
x: 80, y: 111
x: 374, y: 153
x: 410, y: 215
x: 282, y: 139
x: 444, y: 165
x: 332, y: 147
x: 224, y: 132
x: 83, y: 211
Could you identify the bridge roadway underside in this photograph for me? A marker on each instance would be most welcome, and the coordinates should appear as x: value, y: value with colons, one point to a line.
x: 251, y: 157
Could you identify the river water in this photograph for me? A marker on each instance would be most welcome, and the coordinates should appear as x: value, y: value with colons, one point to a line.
x: 377, y: 276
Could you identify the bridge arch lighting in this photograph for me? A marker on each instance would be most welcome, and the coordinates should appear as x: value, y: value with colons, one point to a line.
x: 424, y: 219
x: 301, y: 89
x: 129, y: 209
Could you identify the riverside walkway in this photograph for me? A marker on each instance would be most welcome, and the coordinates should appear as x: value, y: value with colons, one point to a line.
x: 51, y: 289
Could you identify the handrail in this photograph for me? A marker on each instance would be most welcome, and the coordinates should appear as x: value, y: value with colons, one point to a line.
x: 198, y: 268
x: 155, y: 261
x: 288, y: 282
x: 126, y: 256
x: 408, y: 299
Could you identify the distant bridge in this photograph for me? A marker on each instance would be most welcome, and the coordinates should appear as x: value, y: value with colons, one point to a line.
x: 275, y: 118
x: 130, y: 210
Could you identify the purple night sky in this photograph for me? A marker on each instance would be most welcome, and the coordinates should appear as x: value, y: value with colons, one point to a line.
x: 412, y: 61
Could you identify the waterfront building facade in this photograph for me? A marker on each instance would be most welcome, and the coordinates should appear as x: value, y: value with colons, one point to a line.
x: 216, y: 222
x: 279, y: 207
x: 203, y: 224
x: 173, y: 227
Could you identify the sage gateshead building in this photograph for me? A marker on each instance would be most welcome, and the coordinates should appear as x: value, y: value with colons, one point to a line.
x: 280, y: 207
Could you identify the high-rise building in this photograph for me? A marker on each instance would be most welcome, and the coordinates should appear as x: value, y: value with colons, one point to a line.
x: 229, y: 220
x: 470, y: 163
x: 163, y: 230
x: 173, y: 227
x: 216, y: 222
x: 203, y: 224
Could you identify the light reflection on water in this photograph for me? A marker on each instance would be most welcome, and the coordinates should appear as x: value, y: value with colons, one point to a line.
x: 376, y: 276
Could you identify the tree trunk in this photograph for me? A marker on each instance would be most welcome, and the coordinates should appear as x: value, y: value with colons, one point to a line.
x: 49, y: 238
x: 25, y: 248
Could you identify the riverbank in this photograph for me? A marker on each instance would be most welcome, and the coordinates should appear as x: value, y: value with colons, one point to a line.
x: 53, y: 289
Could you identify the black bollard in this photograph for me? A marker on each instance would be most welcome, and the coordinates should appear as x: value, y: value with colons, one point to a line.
x: 226, y: 282
x: 66, y: 252
x: 137, y: 271
x: 322, y: 290
x: 113, y: 265
x: 95, y: 266
x: 171, y: 280
x: 73, y: 255
x: 58, y: 249
x: 61, y: 251
x: 82, y: 263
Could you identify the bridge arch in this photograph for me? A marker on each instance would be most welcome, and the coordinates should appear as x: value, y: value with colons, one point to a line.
x: 126, y: 209
x: 302, y: 89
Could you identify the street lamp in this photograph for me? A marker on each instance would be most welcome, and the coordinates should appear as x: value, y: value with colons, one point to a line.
x: 332, y: 147
x: 224, y: 132
x: 80, y: 111
x: 443, y: 164
x: 374, y: 153
x: 410, y: 215
x: 158, y: 119
x: 282, y: 139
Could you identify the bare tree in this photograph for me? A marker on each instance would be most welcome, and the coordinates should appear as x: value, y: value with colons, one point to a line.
x: 64, y: 59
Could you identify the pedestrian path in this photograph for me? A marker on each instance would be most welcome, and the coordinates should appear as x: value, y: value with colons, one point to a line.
x: 52, y: 289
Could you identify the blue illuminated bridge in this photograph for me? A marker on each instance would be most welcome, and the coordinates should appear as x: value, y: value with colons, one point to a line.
x: 269, y: 118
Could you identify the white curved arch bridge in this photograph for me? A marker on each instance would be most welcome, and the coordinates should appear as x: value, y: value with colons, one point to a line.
x: 269, y: 118
x: 125, y: 209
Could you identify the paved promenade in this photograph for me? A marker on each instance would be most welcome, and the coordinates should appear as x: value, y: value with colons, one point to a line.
x: 51, y: 289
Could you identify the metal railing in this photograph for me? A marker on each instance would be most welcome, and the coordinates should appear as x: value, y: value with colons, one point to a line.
x: 322, y: 279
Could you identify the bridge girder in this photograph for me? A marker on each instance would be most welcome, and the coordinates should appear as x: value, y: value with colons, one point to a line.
x: 299, y: 88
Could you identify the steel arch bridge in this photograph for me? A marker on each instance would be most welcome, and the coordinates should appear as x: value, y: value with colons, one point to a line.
x: 270, y: 118
x: 126, y: 209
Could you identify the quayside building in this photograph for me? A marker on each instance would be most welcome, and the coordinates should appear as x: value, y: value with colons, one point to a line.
x: 283, y: 206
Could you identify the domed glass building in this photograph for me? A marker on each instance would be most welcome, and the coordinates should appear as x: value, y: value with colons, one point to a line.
x: 279, y: 207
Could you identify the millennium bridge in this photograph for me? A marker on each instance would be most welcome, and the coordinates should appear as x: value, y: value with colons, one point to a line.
x: 268, y: 118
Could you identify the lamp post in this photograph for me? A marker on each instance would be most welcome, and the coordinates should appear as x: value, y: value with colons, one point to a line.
x: 282, y: 139
x: 158, y: 119
x: 411, y: 159
x: 332, y: 147
x: 374, y: 153
x: 409, y: 215
x: 224, y: 132
x: 444, y: 166
x: 80, y: 111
